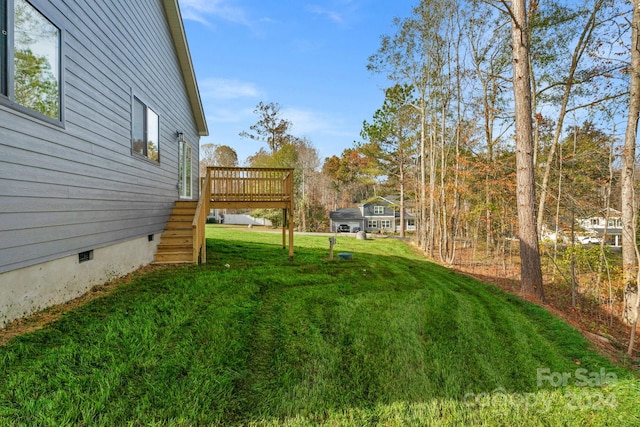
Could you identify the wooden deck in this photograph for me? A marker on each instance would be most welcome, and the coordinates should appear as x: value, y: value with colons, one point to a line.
x: 240, y: 188
x: 244, y: 188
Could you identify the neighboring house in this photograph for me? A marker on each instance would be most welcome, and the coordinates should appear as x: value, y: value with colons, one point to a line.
x: 603, y: 226
x: 237, y: 219
x: 376, y: 217
x: 350, y: 216
x: 100, y: 120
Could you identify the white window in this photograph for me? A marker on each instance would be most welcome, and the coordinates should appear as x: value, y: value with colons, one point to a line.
x: 145, y: 134
x: 378, y: 210
x: 385, y: 223
x: 372, y: 223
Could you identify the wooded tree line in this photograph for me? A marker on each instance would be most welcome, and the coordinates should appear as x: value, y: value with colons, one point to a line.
x: 501, y: 120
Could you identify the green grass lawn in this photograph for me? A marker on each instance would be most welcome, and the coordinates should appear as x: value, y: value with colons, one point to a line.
x: 253, y: 339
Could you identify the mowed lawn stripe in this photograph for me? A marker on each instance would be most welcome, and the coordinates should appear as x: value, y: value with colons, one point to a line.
x: 253, y: 339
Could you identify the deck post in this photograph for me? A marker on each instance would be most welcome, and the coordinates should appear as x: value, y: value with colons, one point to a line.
x: 291, y: 234
x: 284, y: 228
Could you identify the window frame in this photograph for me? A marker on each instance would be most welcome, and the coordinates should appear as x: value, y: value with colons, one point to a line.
x: 378, y: 210
x: 7, y: 61
x: 185, y: 170
x: 372, y: 223
x: 4, y: 48
x: 385, y: 223
x: 145, y: 130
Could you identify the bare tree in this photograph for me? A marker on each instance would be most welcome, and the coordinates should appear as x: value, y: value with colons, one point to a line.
x: 270, y: 128
x: 224, y: 155
x: 207, y: 157
x: 577, y: 76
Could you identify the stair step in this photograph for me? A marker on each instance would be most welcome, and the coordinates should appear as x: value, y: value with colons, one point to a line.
x: 183, y: 211
x: 185, y: 239
x: 176, y: 242
x: 186, y: 204
x: 165, y: 248
x: 181, y: 217
x: 171, y: 262
x: 179, y: 225
x: 177, y: 231
x: 174, y: 257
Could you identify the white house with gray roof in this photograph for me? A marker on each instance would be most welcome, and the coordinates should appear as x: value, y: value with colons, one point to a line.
x: 380, y: 216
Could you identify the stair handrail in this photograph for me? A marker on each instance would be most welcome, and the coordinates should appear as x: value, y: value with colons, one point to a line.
x: 200, y: 220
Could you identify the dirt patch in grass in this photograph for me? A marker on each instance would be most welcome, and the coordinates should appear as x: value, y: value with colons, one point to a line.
x: 42, y: 318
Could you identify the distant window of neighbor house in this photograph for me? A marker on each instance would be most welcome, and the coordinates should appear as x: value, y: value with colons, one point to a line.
x: 33, y: 47
x: 378, y: 210
x: 595, y: 221
x: 372, y: 223
x: 145, y: 135
x: 615, y: 222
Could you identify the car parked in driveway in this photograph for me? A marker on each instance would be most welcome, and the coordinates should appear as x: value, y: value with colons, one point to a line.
x: 343, y: 228
x: 589, y: 240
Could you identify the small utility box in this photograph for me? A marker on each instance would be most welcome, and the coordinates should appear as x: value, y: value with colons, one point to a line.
x: 332, y: 241
x: 346, y: 256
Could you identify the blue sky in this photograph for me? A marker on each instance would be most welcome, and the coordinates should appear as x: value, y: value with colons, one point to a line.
x: 308, y: 56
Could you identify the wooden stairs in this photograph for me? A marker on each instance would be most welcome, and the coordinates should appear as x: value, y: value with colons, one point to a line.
x: 176, y: 243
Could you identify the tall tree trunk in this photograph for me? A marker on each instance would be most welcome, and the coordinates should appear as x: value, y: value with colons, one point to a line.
x: 423, y: 177
x: 530, y: 267
x: 402, y: 220
x: 629, y: 259
x: 432, y: 188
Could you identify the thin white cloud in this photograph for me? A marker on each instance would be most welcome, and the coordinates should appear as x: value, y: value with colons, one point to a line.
x: 307, y: 122
x: 222, y: 115
x: 203, y: 10
x: 331, y: 15
x: 220, y: 88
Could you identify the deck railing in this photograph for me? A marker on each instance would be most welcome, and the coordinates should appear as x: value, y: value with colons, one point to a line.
x: 251, y: 187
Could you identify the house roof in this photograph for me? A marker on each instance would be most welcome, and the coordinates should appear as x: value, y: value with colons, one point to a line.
x: 176, y: 27
x: 345, y: 214
x: 391, y: 198
x: 613, y: 213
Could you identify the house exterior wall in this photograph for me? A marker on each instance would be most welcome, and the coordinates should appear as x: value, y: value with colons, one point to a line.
x: 75, y: 185
x: 66, y: 278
